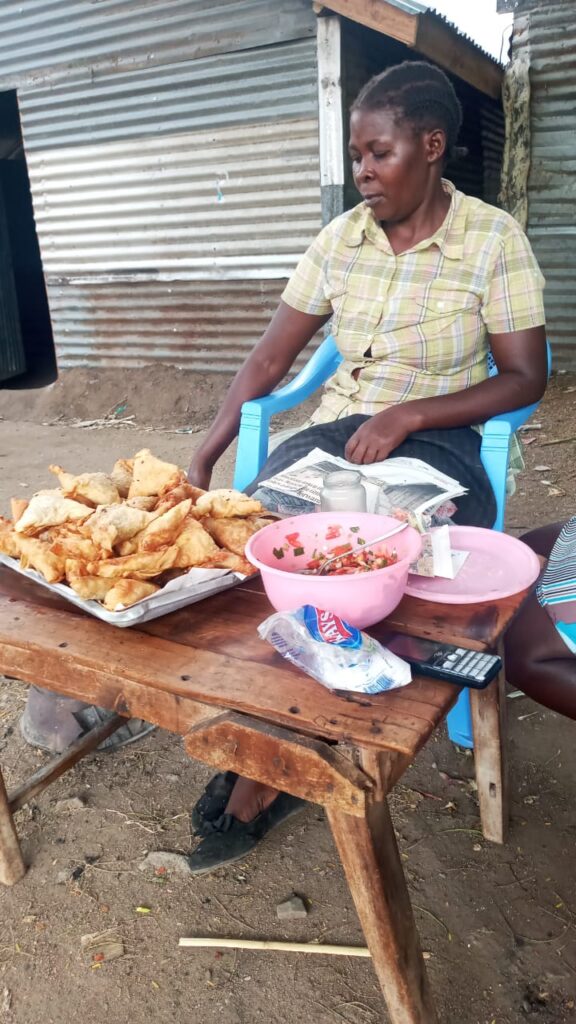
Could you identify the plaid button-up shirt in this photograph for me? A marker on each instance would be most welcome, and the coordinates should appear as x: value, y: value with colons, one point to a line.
x: 416, y: 324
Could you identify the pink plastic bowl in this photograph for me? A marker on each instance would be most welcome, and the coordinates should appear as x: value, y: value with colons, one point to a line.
x: 361, y: 598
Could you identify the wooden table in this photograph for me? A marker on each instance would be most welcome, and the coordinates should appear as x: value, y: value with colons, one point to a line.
x: 204, y: 673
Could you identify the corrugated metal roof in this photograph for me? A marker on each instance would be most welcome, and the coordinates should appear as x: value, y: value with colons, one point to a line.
x: 463, y: 35
x: 45, y: 39
x: 410, y: 6
x: 547, y: 37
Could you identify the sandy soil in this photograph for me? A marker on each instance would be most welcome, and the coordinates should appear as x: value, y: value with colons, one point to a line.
x: 497, y: 923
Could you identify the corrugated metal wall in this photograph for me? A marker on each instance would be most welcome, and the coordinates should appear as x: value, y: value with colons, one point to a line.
x: 51, y: 39
x: 172, y: 201
x: 547, y: 35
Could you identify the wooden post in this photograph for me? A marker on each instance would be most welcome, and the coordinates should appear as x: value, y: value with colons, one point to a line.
x: 371, y: 861
x: 489, y: 725
x: 331, y: 118
x: 12, y: 867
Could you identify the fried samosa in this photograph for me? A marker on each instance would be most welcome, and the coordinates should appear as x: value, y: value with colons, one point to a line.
x: 142, y: 565
x: 18, y: 507
x: 111, y: 525
x: 93, y: 488
x: 193, y: 545
x: 161, y: 532
x: 225, y: 503
x: 35, y: 554
x: 143, y: 502
x: 127, y: 592
x: 91, y: 588
x: 174, y: 496
x: 152, y: 476
x: 9, y: 540
x: 232, y: 534
x: 228, y: 560
x: 121, y: 476
x: 73, y: 546
x: 45, y: 510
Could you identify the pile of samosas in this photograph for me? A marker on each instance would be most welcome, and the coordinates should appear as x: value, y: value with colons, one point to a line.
x: 118, y: 538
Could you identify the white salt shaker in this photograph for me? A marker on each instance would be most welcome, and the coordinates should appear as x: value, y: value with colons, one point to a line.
x: 343, y: 491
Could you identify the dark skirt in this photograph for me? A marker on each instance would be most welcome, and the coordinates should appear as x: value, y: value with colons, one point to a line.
x: 455, y: 451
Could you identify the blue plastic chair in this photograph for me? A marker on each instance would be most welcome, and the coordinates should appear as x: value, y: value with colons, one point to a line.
x: 253, y: 451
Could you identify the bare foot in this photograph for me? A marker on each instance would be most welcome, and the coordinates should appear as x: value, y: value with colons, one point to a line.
x: 248, y: 799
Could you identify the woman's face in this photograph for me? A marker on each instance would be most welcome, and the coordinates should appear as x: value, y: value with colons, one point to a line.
x: 393, y: 165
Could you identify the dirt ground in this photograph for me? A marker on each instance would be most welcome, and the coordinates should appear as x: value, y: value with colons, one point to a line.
x: 497, y: 923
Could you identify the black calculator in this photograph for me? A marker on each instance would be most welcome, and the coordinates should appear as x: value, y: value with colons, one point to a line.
x: 457, y: 665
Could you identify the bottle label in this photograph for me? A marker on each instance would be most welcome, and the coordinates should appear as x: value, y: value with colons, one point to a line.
x: 328, y: 628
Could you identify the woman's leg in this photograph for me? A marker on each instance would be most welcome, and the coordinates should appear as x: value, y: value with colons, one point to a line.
x: 538, y: 662
x: 52, y: 722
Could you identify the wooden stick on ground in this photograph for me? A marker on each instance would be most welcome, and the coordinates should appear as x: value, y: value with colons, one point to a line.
x: 288, y: 947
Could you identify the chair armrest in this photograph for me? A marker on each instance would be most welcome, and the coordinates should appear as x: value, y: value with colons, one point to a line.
x: 496, y: 437
x: 509, y: 422
x: 321, y: 365
x: 255, y: 419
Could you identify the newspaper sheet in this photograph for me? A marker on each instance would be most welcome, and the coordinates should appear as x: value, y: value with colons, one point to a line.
x: 409, y: 484
x: 398, y: 484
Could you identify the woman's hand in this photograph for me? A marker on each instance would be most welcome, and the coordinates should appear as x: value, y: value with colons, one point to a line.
x: 381, y: 434
x: 199, y: 473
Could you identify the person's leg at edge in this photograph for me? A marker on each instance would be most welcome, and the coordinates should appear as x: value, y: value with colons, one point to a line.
x: 538, y: 662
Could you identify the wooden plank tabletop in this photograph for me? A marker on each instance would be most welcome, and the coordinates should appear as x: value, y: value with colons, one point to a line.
x: 210, y: 652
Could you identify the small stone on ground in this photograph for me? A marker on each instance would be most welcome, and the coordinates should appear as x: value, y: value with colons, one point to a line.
x: 70, y: 803
x: 175, y: 863
x: 292, y: 908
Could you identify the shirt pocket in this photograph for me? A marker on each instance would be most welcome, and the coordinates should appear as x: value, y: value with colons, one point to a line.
x: 443, y: 308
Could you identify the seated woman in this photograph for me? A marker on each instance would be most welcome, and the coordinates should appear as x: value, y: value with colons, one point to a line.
x: 420, y: 281
x: 541, y: 643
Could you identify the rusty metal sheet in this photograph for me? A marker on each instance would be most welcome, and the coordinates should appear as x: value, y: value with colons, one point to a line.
x: 201, y: 325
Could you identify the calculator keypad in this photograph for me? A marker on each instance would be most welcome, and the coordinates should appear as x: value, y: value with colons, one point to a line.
x: 473, y: 664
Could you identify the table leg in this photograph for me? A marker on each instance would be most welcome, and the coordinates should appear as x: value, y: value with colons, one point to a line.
x: 11, y: 863
x: 489, y: 724
x: 371, y: 861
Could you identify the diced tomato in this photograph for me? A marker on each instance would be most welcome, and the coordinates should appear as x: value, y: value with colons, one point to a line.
x: 293, y: 539
x: 342, y: 549
x: 333, y: 532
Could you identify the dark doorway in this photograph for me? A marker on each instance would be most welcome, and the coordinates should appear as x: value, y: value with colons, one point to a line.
x: 27, y: 356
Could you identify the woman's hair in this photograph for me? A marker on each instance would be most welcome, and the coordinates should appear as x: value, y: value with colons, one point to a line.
x: 418, y: 93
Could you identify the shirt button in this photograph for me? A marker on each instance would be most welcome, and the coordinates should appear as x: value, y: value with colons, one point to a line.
x: 440, y: 304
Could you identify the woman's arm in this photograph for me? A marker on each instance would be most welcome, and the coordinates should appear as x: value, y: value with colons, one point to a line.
x: 288, y: 333
x: 522, y: 373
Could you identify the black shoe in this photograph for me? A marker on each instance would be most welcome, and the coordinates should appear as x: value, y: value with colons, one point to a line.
x: 212, y: 804
x: 230, y: 839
